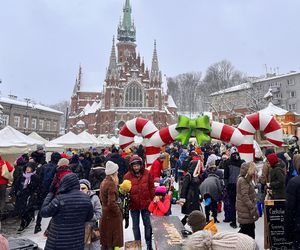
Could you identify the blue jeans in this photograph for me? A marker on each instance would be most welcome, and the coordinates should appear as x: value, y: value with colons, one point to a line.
x: 135, y: 215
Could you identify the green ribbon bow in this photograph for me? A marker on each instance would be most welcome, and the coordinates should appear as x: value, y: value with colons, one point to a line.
x: 199, y: 127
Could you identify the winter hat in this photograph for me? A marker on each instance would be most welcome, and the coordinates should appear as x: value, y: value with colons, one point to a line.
x: 204, y: 240
x: 272, y: 158
x: 85, y: 182
x: 126, y: 186
x: 212, y: 166
x: 111, y: 168
x: 196, y: 220
x: 64, y: 155
x: 63, y: 162
x: 233, y: 150
x: 31, y: 165
x: 160, y: 190
x: 135, y: 158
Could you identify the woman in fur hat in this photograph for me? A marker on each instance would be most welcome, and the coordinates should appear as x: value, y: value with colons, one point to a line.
x: 246, y: 199
x: 111, y: 227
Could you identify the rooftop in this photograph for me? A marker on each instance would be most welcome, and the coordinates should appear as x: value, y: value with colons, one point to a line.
x: 28, y: 104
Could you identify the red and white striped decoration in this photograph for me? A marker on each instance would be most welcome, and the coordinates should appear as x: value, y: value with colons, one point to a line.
x: 242, y: 137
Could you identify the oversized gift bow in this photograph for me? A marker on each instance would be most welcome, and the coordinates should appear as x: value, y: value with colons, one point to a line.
x: 198, y: 127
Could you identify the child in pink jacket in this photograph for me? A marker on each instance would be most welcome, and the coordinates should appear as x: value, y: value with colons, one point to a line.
x: 161, y: 202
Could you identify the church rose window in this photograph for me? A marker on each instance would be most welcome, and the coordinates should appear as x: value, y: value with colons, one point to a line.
x: 134, y: 95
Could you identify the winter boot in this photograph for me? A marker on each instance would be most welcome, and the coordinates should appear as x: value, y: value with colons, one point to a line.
x: 37, y: 229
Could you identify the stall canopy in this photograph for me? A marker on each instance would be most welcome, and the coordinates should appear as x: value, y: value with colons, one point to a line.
x: 104, y: 141
x: 89, y: 137
x: 70, y: 140
x: 36, y: 136
x: 14, y: 142
x: 271, y: 109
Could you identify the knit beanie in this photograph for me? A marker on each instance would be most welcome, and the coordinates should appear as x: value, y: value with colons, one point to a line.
x: 272, y: 158
x: 63, y: 162
x: 85, y: 182
x: 111, y: 168
x: 196, y: 220
x: 160, y: 190
x: 204, y: 240
x: 126, y: 186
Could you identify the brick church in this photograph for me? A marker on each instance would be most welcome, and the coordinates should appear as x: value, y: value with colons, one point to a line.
x: 130, y: 89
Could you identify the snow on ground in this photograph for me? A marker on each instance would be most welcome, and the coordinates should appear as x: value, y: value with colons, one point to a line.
x: 128, y: 234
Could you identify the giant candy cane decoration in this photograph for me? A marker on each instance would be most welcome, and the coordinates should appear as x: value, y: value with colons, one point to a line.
x: 242, y: 137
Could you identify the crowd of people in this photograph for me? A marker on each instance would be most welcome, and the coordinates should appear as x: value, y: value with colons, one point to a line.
x: 91, y: 196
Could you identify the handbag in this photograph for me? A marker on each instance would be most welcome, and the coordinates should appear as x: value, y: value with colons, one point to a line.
x: 95, y: 234
x: 6, y: 174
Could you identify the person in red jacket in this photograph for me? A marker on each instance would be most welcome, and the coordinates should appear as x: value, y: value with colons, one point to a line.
x: 3, y: 184
x: 157, y: 166
x: 161, y: 202
x: 141, y: 194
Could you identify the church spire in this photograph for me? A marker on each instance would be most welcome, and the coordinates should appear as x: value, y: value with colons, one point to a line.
x: 126, y: 29
x: 155, y: 73
x: 77, y: 81
x: 112, y: 71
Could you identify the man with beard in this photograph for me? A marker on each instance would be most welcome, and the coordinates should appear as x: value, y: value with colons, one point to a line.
x: 141, y: 194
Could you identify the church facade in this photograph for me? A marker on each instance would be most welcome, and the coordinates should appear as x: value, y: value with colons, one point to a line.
x: 130, y: 90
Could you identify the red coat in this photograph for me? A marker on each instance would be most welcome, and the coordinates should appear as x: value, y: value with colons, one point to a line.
x: 142, y: 190
x: 161, y: 207
x: 156, y: 168
x: 4, y: 181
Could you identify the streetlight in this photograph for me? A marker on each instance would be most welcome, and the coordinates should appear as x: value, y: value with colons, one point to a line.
x: 25, y: 124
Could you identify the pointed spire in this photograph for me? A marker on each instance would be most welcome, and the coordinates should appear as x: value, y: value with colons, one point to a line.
x: 154, y: 67
x: 113, y: 67
x: 126, y: 29
x: 77, y: 81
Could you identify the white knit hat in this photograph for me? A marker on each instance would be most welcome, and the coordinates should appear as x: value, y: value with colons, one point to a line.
x: 63, y: 162
x: 111, y: 168
x: 204, y: 240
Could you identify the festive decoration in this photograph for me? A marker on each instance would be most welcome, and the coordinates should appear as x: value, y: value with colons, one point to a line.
x: 199, y: 127
x: 242, y: 137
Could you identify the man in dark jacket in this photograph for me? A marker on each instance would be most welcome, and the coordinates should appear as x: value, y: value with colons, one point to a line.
x: 141, y: 194
x: 292, y: 213
x: 70, y: 209
x: 231, y: 173
x: 46, y: 176
x: 277, y: 177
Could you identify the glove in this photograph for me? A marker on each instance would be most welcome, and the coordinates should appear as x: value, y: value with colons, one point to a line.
x: 126, y: 222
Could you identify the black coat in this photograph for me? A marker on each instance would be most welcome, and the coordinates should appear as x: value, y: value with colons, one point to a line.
x: 97, y: 175
x: 292, y: 213
x: 26, y: 198
x: 69, y: 210
x: 190, y: 191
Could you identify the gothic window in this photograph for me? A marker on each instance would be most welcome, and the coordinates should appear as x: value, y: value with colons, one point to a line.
x: 134, y: 95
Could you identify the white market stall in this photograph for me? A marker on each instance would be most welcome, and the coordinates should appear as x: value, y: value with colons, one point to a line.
x: 71, y: 140
x: 89, y: 137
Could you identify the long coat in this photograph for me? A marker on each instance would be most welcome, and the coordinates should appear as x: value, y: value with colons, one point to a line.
x: 246, y: 196
x: 190, y: 190
x: 69, y: 210
x: 111, y: 227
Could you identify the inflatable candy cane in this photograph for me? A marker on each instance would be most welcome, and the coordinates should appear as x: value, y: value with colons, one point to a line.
x: 242, y: 137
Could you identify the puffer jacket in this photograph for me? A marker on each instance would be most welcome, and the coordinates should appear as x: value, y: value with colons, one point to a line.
x: 142, y: 190
x: 246, y: 196
x: 69, y: 210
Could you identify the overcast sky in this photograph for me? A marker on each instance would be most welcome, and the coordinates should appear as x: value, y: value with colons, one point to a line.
x: 43, y: 41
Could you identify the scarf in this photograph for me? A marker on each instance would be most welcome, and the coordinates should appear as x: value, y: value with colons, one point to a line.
x: 27, y: 179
